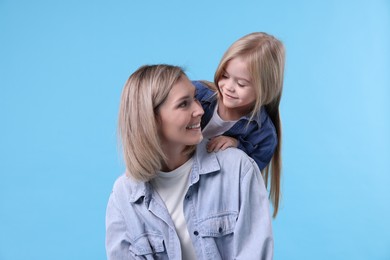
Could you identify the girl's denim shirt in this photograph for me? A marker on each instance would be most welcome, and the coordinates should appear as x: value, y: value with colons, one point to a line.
x: 256, y: 137
x: 226, y: 209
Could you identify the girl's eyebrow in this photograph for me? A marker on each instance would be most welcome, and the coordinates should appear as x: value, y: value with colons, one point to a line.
x: 247, y: 81
x: 238, y: 78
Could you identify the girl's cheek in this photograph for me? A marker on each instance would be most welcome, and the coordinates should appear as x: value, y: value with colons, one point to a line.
x: 221, y: 82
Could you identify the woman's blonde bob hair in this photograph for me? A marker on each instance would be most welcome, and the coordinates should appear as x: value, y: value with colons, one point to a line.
x: 145, y: 90
x: 265, y: 58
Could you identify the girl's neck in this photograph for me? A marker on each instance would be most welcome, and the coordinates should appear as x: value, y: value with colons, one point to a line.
x: 231, y: 114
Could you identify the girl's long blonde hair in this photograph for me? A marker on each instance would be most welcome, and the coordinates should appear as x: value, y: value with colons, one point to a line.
x: 265, y: 56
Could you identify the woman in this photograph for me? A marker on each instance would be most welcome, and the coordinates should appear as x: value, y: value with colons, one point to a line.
x: 176, y: 200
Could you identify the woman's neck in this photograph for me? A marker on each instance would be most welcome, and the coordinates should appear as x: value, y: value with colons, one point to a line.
x: 175, y: 159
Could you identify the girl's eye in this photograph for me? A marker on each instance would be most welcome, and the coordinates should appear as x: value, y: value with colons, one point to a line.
x: 240, y: 84
x: 225, y: 76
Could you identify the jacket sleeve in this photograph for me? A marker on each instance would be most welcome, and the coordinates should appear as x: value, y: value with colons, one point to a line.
x: 117, y: 247
x: 259, y: 144
x: 253, y: 231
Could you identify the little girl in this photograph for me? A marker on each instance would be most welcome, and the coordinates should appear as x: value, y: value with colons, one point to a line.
x: 242, y: 105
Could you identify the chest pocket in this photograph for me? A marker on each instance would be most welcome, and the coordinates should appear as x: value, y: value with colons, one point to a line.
x: 218, y: 225
x: 148, y: 246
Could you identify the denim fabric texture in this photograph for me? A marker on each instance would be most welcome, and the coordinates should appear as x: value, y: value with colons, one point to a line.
x: 226, y: 209
x: 257, y: 139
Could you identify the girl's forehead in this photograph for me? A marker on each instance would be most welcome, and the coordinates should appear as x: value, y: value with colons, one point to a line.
x: 238, y: 67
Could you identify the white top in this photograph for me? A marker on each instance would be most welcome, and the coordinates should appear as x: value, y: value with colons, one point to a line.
x: 172, y: 187
x: 217, y: 126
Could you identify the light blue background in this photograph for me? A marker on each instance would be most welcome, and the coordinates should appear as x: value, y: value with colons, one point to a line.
x: 62, y: 68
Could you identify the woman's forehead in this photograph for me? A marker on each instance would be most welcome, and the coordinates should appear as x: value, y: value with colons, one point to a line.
x: 183, y: 88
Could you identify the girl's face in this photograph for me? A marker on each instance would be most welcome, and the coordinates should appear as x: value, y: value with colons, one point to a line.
x: 179, y: 117
x: 236, y: 87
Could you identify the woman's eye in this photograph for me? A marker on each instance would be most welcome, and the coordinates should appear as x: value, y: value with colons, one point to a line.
x: 183, y: 104
x: 225, y: 76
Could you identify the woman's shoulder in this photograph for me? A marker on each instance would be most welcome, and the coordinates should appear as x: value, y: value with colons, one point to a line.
x: 236, y: 163
x: 229, y: 160
x: 120, y: 182
x: 127, y: 187
x: 235, y: 155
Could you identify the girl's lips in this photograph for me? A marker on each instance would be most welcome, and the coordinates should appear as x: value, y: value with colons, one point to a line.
x: 228, y: 96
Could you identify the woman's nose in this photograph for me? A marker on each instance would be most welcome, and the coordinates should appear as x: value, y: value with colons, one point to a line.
x: 198, y: 110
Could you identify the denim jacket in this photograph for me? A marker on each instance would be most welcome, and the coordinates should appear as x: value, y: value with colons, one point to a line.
x: 258, y: 139
x: 226, y: 209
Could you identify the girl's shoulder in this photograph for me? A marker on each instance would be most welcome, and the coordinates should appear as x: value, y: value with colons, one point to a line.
x: 204, y: 89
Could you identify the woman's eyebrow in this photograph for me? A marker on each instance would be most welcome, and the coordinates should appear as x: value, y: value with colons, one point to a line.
x: 178, y: 100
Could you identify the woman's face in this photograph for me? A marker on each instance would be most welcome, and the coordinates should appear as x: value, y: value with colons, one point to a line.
x: 179, y: 116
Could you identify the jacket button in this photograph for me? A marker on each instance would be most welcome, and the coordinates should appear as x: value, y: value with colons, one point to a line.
x: 188, y: 197
x: 196, y: 233
x: 220, y: 230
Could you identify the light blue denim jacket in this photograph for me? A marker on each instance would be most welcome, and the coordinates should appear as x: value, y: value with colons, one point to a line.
x: 226, y: 208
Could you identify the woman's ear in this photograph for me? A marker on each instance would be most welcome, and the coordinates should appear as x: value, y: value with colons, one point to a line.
x: 157, y: 119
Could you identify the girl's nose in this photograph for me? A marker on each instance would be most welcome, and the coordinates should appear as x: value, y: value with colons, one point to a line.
x: 230, y: 85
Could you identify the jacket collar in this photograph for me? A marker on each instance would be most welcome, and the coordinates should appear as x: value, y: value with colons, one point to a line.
x: 138, y: 189
x: 204, y: 163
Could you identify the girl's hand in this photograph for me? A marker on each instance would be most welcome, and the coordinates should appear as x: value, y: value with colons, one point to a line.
x: 221, y: 143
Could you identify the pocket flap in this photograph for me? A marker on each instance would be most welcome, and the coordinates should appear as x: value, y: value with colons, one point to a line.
x: 147, y: 244
x: 218, y: 225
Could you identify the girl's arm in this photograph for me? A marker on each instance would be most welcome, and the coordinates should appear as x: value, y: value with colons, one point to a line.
x: 259, y: 142
x: 221, y: 143
x: 261, y: 151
